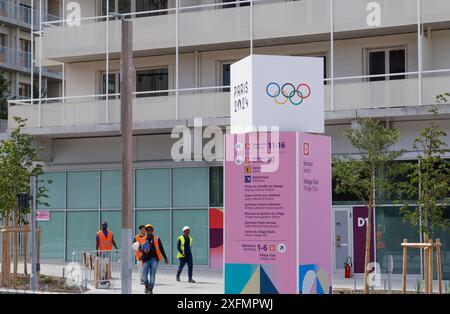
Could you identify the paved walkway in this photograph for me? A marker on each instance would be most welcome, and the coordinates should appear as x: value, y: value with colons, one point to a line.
x: 211, y: 281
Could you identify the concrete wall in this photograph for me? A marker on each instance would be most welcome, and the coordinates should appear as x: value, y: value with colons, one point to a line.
x: 350, y: 55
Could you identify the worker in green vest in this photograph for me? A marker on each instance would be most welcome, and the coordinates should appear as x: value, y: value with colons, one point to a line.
x: 184, y: 247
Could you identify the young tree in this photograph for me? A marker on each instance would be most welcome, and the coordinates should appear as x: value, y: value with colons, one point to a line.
x: 19, y: 160
x: 4, y: 95
x: 428, y: 180
x: 359, y: 174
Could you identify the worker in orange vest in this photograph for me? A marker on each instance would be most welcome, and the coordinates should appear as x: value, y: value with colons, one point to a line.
x: 105, y: 239
x: 152, y: 253
x: 140, y: 238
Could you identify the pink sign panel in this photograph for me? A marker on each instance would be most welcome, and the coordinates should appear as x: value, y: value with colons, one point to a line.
x: 315, y: 246
x: 43, y: 215
x: 266, y: 208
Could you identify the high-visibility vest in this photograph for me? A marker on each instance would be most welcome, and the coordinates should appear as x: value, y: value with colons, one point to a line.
x: 182, y: 242
x: 104, y: 243
x: 158, y: 251
x: 141, y: 240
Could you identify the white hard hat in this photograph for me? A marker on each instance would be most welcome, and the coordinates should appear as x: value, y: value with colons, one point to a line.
x: 135, y: 246
x: 186, y: 228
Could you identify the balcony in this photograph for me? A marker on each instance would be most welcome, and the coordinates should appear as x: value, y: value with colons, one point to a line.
x: 95, y: 113
x: 16, y: 14
x: 15, y: 59
x: 216, y: 26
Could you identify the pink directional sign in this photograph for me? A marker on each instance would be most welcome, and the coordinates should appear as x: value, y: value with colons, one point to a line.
x: 275, y: 186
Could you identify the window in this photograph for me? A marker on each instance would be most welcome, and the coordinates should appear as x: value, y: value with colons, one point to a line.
x: 386, y: 61
x: 119, y: 6
x: 152, y: 188
x: 24, y: 90
x: 197, y: 219
x: 152, y: 80
x: 190, y: 187
x: 83, y: 190
x: 3, y: 40
x: 25, y: 45
x: 216, y: 186
x: 113, y: 84
x: 150, y: 5
x: 225, y: 68
x: 233, y: 5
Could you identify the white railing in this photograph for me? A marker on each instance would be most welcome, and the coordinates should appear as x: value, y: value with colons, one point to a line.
x: 22, y: 14
x: 351, y: 93
x: 15, y: 57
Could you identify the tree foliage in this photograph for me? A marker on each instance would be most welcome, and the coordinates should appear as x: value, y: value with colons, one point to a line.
x: 4, y: 95
x: 428, y: 180
x: 359, y: 174
x: 19, y: 160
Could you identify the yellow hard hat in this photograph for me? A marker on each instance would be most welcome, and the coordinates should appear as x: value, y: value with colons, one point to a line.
x: 149, y: 226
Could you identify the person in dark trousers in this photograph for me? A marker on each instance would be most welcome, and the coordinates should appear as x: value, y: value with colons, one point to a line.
x: 152, y: 253
x: 184, y: 247
x: 140, y: 238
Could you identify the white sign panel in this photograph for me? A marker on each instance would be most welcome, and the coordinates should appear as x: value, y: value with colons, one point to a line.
x: 281, y: 91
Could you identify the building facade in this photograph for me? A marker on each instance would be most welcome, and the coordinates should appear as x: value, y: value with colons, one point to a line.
x: 383, y: 59
x: 18, y: 19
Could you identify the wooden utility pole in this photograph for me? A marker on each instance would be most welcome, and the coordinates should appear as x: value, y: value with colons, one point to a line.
x: 126, y: 123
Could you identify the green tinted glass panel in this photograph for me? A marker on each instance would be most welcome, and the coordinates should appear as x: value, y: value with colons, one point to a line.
x: 52, y: 244
x: 197, y: 220
x: 114, y: 220
x: 216, y: 186
x: 153, y: 188
x: 390, y: 231
x: 190, y: 187
x: 444, y: 236
x: 111, y: 189
x: 82, y: 230
x: 54, y: 182
x: 160, y: 219
x: 82, y: 190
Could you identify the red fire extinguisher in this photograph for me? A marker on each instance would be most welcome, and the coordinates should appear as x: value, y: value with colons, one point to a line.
x: 348, y: 267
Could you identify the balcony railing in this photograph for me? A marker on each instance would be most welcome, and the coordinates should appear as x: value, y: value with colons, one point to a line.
x: 16, y: 13
x: 15, y: 58
x: 220, y: 24
x: 352, y: 93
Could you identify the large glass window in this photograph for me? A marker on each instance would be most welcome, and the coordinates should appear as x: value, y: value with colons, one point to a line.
x: 55, y: 184
x: 153, y: 188
x: 111, y: 189
x: 190, y: 187
x: 197, y: 220
x: 83, y: 190
x: 152, y: 80
x: 114, y: 220
x: 216, y: 186
x: 52, y: 241
x: 160, y: 219
x: 390, y: 232
x: 82, y: 228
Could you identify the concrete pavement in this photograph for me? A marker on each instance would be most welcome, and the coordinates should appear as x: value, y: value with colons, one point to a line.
x: 210, y: 281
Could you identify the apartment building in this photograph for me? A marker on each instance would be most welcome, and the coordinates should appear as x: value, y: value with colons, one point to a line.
x: 17, y: 20
x: 385, y: 59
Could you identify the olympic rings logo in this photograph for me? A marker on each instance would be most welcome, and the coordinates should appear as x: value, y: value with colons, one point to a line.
x: 295, y: 95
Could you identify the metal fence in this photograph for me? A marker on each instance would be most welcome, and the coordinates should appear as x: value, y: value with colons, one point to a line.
x: 94, y: 269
